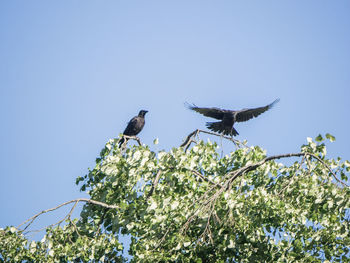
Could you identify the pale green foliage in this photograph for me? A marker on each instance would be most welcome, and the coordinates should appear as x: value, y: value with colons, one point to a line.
x: 202, y: 210
x: 60, y: 245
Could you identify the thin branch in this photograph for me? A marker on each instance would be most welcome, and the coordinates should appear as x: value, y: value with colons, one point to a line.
x: 204, y: 178
x: 72, y: 221
x: 190, y: 138
x: 154, y: 184
x: 329, y: 169
x: 161, y: 240
x: 86, y: 200
x: 101, y: 221
x: 74, y: 226
x: 71, y: 211
x: 301, y: 162
x: 236, y: 142
x: 284, y: 188
x: 126, y: 138
x: 207, y: 226
x: 133, y: 138
x: 58, y: 223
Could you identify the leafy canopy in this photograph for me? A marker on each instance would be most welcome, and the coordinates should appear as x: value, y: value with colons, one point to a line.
x: 198, y: 206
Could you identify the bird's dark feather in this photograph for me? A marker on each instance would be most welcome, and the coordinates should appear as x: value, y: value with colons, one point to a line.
x: 221, y: 128
x: 135, y: 125
x: 247, y: 114
x: 215, y: 113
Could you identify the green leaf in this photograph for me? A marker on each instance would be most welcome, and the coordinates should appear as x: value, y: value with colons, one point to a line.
x: 319, y: 138
x: 330, y: 137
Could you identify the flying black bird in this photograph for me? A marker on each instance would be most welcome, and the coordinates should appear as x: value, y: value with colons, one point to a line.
x: 135, y: 125
x: 229, y: 117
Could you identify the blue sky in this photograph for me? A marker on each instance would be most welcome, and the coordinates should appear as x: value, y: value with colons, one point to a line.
x: 73, y: 73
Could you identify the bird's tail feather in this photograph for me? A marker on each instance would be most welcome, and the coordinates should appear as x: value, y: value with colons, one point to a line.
x: 234, y: 132
x: 220, y: 128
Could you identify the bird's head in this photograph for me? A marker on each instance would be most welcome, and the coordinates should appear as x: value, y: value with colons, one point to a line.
x: 142, y: 113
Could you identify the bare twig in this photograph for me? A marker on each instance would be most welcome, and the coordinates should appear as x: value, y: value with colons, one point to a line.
x: 154, y: 184
x: 86, y: 200
x: 126, y: 138
x: 207, y: 226
x: 105, y: 210
x: 162, y: 239
x: 75, y: 226
x: 329, y: 169
x: 72, y: 221
x: 302, y: 161
x: 190, y: 138
x: 204, y: 178
x: 52, y: 225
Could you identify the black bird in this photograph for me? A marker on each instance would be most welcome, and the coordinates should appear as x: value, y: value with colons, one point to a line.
x: 229, y: 117
x: 134, y: 127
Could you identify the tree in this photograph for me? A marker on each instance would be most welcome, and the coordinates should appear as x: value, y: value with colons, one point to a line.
x: 193, y: 205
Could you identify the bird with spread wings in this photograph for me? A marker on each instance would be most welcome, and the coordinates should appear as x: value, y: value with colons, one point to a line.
x: 229, y: 117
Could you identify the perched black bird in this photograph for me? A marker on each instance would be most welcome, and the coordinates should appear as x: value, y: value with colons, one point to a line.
x: 229, y: 117
x: 135, y: 125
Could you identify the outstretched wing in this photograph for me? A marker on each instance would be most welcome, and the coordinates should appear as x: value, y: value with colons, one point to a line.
x: 209, y: 112
x: 247, y: 114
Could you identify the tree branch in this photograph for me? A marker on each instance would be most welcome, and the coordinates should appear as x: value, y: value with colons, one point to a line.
x: 204, y: 178
x: 190, y: 138
x: 126, y: 138
x: 329, y: 169
x: 76, y: 201
x: 154, y: 184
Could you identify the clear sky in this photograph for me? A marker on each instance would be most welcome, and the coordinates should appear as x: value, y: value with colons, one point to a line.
x: 73, y: 73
